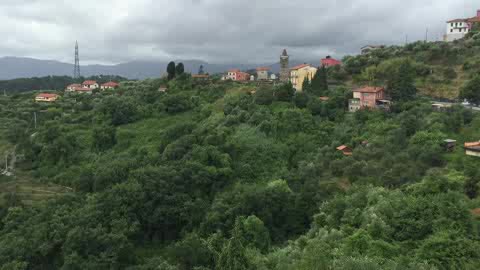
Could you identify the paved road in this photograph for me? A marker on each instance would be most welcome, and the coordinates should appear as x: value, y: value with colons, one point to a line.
x: 453, y: 103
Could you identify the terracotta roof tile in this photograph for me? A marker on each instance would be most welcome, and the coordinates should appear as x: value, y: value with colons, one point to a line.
x: 110, y: 84
x: 300, y: 66
x: 89, y: 82
x: 47, y: 95
x: 472, y: 144
x: 369, y: 89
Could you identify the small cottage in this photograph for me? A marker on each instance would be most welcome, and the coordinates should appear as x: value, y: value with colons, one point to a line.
x: 347, y: 151
x: 46, y: 97
x: 109, y: 85
x: 472, y: 149
x: 449, y: 144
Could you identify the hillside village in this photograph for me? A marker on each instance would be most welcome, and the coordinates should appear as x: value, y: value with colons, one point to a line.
x: 368, y: 162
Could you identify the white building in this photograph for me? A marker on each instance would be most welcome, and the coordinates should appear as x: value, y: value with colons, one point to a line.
x: 458, y: 28
x: 90, y: 84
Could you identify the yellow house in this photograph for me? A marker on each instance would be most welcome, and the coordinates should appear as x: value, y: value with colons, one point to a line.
x: 299, y: 73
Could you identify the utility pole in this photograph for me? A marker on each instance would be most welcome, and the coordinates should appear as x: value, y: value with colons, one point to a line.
x: 406, y: 39
x: 4, y: 92
x: 35, y: 119
x: 6, y: 162
x: 426, y: 35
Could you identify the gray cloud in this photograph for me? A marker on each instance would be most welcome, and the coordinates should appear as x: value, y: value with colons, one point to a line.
x: 112, y: 31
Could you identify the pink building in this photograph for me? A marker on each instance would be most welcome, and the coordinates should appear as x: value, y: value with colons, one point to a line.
x: 366, y: 97
x: 237, y: 75
x: 330, y: 62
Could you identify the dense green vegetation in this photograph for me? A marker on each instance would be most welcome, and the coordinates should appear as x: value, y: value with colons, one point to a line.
x: 236, y: 176
x: 441, y: 69
x: 50, y: 83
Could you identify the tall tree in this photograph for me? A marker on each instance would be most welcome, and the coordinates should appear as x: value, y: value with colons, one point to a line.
x: 284, y: 92
x: 306, y: 85
x: 319, y: 84
x: 171, y: 70
x: 180, y: 69
x: 200, y: 70
x: 233, y: 255
x: 401, y: 85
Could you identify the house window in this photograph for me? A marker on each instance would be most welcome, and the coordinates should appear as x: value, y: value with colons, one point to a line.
x: 451, y: 30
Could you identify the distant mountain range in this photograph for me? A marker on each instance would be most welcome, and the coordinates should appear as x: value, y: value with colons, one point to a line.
x: 20, y: 67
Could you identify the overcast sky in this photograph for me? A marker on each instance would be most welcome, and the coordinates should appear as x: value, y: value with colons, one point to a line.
x: 217, y: 31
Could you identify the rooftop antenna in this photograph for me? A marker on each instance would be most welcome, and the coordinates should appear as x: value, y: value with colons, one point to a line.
x: 76, y: 69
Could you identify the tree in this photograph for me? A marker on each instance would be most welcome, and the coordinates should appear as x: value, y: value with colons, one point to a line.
x: 284, y: 92
x: 401, y: 85
x: 171, y: 70
x: 104, y: 138
x: 319, y: 84
x: 301, y: 99
x: 200, y: 70
x: 233, y: 255
x: 179, y: 69
x: 306, y: 85
x: 264, y: 96
x: 253, y: 232
x: 471, y: 90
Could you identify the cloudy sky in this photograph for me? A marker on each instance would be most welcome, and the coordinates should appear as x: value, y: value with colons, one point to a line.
x: 217, y: 31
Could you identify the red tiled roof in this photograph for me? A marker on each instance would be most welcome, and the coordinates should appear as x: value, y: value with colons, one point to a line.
x: 342, y: 147
x: 472, y: 144
x: 330, y: 62
x: 369, y: 89
x: 263, y: 69
x: 47, y: 95
x: 82, y: 89
x: 324, y: 98
x: 110, y: 84
x: 200, y: 76
x: 234, y: 70
x: 476, y: 212
x: 474, y: 20
x: 300, y: 66
x: 457, y: 20
x: 89, y: 82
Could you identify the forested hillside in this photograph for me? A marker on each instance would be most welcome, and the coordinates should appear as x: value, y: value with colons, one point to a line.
x: 57, y: 83
x: 224, y: 175
x: 441, y: 68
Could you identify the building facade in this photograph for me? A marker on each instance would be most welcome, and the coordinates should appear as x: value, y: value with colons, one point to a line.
x: 46, y: 97
x: 72, y: 87
x: 472, y: 149
x: 458, y: 28
x: 284, y: 71
x: 369, y: 48
x: 299, y: 73
x: 90, y: 84
x: 366, y: 97
x: 109, y: 85
x: 237, y: 75
x: 262, y: 73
